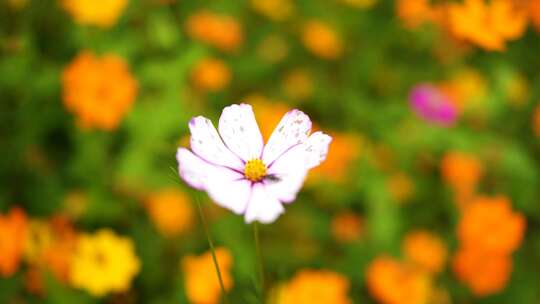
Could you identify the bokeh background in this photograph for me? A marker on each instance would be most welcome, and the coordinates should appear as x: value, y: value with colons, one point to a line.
x: 430, y: 193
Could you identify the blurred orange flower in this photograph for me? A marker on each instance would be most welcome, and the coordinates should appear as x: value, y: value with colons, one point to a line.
x: 414, y: 13
x: 344, y: 151
x: 462, y: 172
x: 170, y: 210
x: 347, y: 227
x: 315, y: 287
x: 221, y: 31
x: 488, y: 25
x: 13, y: 234
x: 534, y: 13
x: 201, y: 281
x: 267, y: 112
x: 490, y: 225
x: 393, y: 282
x: 91, y: 12
x: 536, y: 121
x: 425, y: 250
x: 485, y: 273
x: 211, y: 74
x: 49, y: 247
x: 99, y: 91
x: 323, y: 41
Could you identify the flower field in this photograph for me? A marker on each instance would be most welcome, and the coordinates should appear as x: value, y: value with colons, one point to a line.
x: 270, y: 151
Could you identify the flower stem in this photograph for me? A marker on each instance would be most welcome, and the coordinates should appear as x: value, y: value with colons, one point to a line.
x: 259, y: 259
x: 213, y: 251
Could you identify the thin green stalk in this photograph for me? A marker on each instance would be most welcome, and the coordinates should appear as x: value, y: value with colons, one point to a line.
x: 212, y: 249
x: 260, y: 265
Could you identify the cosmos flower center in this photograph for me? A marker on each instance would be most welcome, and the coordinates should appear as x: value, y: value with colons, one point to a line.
x: 255, y: 170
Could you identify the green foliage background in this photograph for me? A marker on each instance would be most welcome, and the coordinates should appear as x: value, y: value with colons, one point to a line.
x: 364, y: 92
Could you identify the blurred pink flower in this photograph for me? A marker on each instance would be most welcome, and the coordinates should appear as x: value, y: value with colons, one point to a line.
x: 433, y: 105
x: 242, y: 174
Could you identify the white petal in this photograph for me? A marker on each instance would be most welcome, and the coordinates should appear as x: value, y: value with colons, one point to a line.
x: 240, y: 132
x: 198, y: 173
x: 289, y: 172
x: 206, y: 143
x: 263, y: 206
x: 192, y: 169
x: 231, y: 194
x: 293, y: 129
x: 316, y: 148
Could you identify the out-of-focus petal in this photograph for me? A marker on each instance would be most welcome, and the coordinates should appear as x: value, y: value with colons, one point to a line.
x: 316, y: 148
x: 293, y: 129
x: 240, y: 132
x: 206, y: 143
x: 263, y: 206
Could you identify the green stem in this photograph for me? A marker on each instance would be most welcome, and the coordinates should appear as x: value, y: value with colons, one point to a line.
x: 213, y: 251
x: 259, y: 259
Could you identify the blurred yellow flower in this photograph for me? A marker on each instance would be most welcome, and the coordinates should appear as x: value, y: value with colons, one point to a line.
x: 13, y: 235
x: 103, y: 263
x: 276, y: 10
x: 347, y: 227
x: 221, y: 31
x: 322, y: 40
x: 170, y: 210
x: 393, y: 282
x: 201, y: 281
x: 298, y: 85
x: 315, y: 287
x: 99, y: 91
x: 103, y: 13
x: 211, y: 74
x: 425, y: 250
x: 487, y: 24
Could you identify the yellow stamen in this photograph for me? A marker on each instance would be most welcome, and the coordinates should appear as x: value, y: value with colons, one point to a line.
x: 255, y: 170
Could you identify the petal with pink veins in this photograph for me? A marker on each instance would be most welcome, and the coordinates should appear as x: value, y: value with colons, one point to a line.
x: 206, y: 143
x: 240, y: 132
x: 263, y: 206
x: 293, y: 129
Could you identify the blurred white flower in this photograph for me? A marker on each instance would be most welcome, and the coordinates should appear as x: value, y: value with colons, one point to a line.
x: 241, y: 173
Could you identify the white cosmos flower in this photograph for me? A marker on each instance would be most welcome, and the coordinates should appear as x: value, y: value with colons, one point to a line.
x: 241, y: 173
